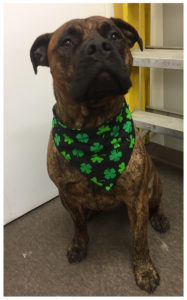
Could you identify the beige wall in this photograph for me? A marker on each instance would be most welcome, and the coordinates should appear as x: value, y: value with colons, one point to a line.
x: 166, y: 84
x: 173, y: 79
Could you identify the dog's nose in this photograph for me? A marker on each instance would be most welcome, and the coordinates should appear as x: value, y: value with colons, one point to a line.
x: 98, y: 47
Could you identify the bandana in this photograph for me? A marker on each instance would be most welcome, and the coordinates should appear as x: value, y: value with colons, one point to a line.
x: 101, y: 153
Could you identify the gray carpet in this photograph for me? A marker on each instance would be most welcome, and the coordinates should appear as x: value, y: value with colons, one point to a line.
x: 35, y: 246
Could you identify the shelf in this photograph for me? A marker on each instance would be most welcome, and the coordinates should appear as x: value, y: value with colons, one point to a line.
x: 158, y: 123
x: 158, y: 58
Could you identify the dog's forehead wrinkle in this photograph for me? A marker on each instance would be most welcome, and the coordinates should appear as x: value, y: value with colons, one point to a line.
x: 104, y: 28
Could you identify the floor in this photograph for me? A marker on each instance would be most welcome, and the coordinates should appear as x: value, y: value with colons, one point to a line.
x: 35, y: 246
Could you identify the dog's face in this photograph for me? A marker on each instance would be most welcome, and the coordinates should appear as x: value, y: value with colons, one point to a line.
x: 89, y: 58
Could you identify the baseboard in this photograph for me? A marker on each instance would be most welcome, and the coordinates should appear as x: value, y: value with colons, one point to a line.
x: 165, y: 154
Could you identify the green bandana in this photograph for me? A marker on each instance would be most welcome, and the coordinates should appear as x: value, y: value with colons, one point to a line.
x: 101, y: 153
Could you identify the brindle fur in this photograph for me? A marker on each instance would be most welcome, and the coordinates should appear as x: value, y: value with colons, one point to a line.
x: 139, y: 186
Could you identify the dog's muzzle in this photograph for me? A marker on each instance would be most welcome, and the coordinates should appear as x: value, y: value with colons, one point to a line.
x: 100, y: 72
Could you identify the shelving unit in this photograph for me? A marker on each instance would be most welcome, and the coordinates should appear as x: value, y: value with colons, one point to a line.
x: 158, y: 123
x: 158, y: 58
x: 154, y: 122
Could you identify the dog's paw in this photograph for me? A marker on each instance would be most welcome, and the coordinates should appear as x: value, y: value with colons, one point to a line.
x: 160, y: 222
x: 76, y: 254
x: 147, y: 278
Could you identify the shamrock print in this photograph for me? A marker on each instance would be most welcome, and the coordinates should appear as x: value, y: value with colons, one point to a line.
x: 110, y: 173
x: 82, y: 137
x: 121, y: 167
x: 62, y: 125
x: 103, y: 129
x: 132, y: 141
x: 115, y: 131
x: 78, y: 153
x: 115, y: 155
x: 101, y: 154
x: 96, y: 147
x: 57, y: 139
x: 116, y: 143
x: 127, y: 126
x: 108, y: 187
x: 119, y: 118
x: 94, y: 179
x: 128, y: 114
x: 67, y: 139
x: 66, y: 156
x: 95, y: 158
x: 54, y: 122
x: 86, y: 168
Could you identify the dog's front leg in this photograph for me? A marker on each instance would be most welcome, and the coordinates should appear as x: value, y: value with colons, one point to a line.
x: 77, y: 249
x: 146, y: 275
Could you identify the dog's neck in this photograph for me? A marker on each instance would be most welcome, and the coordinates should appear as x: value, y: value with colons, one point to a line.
x: 76, y: 115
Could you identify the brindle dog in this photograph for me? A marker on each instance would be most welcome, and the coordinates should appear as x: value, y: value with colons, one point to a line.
x: 90, y: 62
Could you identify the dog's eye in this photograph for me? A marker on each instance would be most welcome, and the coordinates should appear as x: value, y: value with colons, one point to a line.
x: 115, y: 36
x: 67, y: 43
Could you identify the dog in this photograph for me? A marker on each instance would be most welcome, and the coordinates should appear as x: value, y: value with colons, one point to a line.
x: 90, y: 62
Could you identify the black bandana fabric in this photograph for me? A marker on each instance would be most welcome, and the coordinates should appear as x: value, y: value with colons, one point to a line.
x: 101, y: 153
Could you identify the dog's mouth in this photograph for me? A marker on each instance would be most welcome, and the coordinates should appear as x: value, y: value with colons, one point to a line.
x: 104, y: 84
x: 106, y: 81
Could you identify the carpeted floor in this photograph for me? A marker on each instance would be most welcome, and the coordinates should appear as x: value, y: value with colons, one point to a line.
x: 35, y: 246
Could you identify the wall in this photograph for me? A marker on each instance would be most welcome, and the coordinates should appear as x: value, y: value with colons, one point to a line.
x: 28, y: 100
x: 166, y: 84
x: 156, y: 74
x: 173, y: 79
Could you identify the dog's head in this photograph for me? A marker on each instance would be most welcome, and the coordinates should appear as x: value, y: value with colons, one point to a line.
x: 89, y: 58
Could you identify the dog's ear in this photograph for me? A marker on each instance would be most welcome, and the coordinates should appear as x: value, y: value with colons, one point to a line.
x: 129, y: 32
x: 38, y: 52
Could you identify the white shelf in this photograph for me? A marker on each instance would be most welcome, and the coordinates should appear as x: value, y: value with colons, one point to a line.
x: 158, y: 58
x: 158, y: 123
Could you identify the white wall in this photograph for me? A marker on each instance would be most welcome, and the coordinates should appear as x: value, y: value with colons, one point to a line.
x: 28, y: 100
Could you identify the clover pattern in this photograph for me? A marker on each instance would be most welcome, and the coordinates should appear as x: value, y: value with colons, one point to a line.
x: 86, y: 168
x: 132, y: 141
x: 116, y: 143
x: 115, y: 155
x: 94, y: 179
x: 115, y: 131
x: 57, y: 139
x: 103, y: 129
x: 82, y: 137
x: 54, y: 122
x: 110, y: 173
x: 96, y: 147
x: 67, y: 139
x: 121, y: 167
x: 127, y: 126
x: 128, y: 114
x: 119, y: 118
x: 108, y: 187
x: 102, y: 166
x: 78, y: 152
x: 96, y: 158
x: 66, y: 155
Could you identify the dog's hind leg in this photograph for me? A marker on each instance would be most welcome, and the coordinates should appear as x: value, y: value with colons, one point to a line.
x: 157, y: 218
x: 77, y: 249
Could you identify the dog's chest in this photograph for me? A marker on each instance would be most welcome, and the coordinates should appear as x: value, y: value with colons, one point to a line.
x: 78, y: 189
